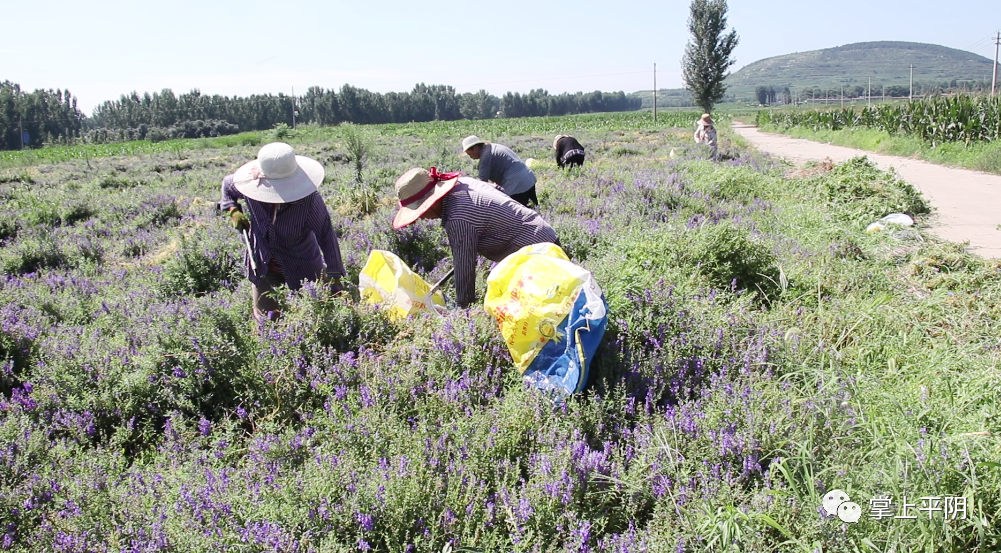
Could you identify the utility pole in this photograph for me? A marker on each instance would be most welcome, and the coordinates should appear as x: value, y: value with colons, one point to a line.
x: 910, y: 91
x: 655, y: 93
x: 868, y: 93
x: 842, y: 96
x: 994, y: 79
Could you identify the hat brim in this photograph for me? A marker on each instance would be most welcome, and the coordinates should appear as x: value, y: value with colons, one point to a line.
x: 407, y: 215
x: 306, y: 179
x: 464, y: 152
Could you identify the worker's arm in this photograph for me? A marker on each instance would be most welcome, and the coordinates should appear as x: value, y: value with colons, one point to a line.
x: 462, y: 239
x: 483, y: 169
x: 228, y: 197
x: 318, y: 220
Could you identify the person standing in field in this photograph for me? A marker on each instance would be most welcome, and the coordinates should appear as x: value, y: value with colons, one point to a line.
x: 289, y: 226
x: 499, y: 164
x: 478, y: 220
x: 705, y: 133
x: 569, y: 152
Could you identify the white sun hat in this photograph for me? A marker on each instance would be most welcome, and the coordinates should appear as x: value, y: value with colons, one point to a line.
x: 278, y: 176
x: 471, y: 141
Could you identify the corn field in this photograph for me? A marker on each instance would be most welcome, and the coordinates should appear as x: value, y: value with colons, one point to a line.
x: 935, y: 120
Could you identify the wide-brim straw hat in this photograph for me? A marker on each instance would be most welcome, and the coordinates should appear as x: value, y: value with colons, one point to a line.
x: 706, y: 120
x: 559, y: 137
x: 278, y: 176
x: 470, y: 141
x: 417, y: 190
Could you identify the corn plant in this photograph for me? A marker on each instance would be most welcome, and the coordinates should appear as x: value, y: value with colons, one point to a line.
x: 935, y: 120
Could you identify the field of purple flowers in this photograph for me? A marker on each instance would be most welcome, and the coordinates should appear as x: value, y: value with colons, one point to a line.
x: 762, y: 350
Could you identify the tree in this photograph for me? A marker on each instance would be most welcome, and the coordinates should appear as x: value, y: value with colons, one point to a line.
x: 761, y: 93
x: 707, y: 55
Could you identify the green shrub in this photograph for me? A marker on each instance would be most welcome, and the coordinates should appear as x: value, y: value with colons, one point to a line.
x: 42, y: 213
x: 358, y: 146
x: 198, y: 270
x: 576, y: 240
x: 116, y: 183
x: 9, y: 225
x: 31, y: 254
x: 158, y: 211
x: 624, y: 151
x: 75, y: 211
x: 20, y: 176
x: 282, y: 132
x: 727, y: 256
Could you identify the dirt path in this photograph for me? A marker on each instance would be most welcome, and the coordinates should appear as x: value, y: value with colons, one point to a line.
x: 968, y: 203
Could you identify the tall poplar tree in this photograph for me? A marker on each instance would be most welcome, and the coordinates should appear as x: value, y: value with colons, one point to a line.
x: 708, y: 54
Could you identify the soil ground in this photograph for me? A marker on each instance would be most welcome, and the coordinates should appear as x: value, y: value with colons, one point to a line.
x: 966, y: 202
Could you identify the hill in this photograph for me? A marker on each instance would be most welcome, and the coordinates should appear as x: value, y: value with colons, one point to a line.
x: 887, y: 63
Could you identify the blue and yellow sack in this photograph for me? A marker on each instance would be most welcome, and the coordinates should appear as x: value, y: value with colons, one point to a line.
x: 551, y: 313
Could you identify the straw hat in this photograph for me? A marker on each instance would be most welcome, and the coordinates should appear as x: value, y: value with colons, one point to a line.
x: 558, y: 138
x: 278, y: 176
x: 470, y: 141
x: 705, y: 120
x: 417, y: 190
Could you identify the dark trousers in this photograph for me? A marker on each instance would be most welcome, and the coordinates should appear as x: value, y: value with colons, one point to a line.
x: 265, y: 306
x: 524, y: 198
x: 574, y: 161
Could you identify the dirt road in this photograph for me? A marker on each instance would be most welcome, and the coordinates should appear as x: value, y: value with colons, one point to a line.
x: 967, y: 203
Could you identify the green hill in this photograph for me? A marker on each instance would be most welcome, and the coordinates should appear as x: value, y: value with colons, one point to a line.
x: 887, y: 63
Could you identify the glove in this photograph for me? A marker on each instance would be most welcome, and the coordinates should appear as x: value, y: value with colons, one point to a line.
x: 333, y: 283
x: 239, y: 220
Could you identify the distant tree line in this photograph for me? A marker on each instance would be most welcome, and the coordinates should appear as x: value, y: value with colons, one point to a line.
x: 538, y: 102
x: 766, y: 95
x: 45, y: 115
x: 52, y: 116
x: 349, y: 104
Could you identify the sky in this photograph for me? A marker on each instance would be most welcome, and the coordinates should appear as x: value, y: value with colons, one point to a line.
x: 101, y: 50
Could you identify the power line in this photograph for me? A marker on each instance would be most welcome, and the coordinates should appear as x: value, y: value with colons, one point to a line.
x: 988, y: 40
x: 647, y: 72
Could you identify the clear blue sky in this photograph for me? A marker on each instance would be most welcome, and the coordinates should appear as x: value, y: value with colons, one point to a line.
x: 100, y: 50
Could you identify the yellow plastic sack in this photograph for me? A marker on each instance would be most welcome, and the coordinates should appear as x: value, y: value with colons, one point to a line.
x: 387, y: 280
x: 529, y: 293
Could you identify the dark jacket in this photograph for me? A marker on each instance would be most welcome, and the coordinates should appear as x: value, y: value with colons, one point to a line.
x: 566, y: 148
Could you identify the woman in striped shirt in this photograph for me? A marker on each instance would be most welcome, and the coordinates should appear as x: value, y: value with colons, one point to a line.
x: 291, y: 225
x: 478, y: 219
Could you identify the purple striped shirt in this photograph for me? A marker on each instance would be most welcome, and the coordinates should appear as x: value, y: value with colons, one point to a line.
x: 479, y: 219
x: 294, y: 234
